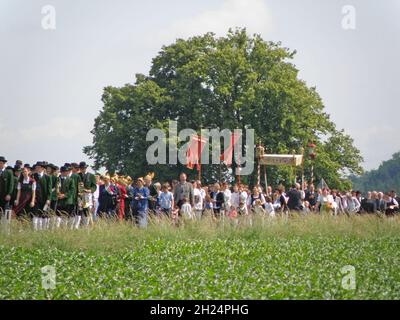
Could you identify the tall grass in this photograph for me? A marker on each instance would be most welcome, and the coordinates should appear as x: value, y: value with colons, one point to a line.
x: 114, y: 235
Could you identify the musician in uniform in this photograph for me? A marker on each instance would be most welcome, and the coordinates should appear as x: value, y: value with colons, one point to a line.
x: 74, y: 175
x: 41, y: 219
x: 89, y: 185
x: 52, y: 171
x: 65, y: 196
x: 6, y: 185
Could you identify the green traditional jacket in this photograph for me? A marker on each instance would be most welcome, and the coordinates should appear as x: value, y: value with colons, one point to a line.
x: 44, y: 183
x: 6, y: 183
x: 67, y: 187
x: 76, y: 180
x: 54, y: 181
x: 89, y: 181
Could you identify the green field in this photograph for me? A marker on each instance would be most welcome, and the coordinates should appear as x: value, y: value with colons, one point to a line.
x: 299, y: 258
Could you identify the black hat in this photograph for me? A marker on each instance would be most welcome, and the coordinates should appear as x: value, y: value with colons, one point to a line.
x: 63, y: 169
x: 51, y: 166
x: 83, y: 164
x: 66, y: 164
x: 18, y: 163
x: 40, y: 164
x: 2, y: 159
x: 74, y: 165
x: 27, y: 165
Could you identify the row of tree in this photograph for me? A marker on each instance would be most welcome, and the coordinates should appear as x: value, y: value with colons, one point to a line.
x: 385, y: 178
x: 237, y: 81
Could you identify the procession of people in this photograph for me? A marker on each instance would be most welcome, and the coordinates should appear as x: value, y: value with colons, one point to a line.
x: 51, y: 197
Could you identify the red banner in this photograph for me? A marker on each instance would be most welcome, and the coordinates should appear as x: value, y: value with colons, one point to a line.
x: 193, y: 154
x: 227, y: 156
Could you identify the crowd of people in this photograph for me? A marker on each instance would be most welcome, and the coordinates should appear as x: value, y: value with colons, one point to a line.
x: 69, y: 195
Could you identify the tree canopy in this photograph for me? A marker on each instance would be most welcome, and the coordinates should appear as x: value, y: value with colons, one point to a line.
x: 385, y: 178
x: 236, y: 81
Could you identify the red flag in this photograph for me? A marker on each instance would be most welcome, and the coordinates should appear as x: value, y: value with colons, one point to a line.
x: 193, y: 154
x: 227, y: 156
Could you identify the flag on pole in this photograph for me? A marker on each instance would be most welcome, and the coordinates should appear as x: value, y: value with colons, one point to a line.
x: 193, y: 153
x: 227, y: 155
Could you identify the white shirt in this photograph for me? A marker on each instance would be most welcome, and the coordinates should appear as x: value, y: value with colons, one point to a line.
x: 227, y: 198
x: 235, y: 199
x: 97, y: 192
x: 186, y: 210
x: 243, y: 197
x: 269, y: 207
x: 197, y: 192
x: 26, y: 181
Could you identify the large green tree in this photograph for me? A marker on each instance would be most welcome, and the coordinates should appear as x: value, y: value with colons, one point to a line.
x: 237, y: 81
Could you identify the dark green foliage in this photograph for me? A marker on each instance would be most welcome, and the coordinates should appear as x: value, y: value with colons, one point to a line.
x: 385, y: 178
x: 231, y: 82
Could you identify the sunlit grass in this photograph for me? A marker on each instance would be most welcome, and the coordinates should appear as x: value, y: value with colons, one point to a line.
x: 260, y: 258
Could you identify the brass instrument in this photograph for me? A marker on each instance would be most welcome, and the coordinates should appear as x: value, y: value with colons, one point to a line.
x: 84, y: 198
x: 58, y: 188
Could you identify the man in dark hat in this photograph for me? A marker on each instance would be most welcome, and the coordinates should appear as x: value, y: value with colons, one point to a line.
x: 6, y: 184
x: 52, y: 172
x: 41, y: 218
x: 89, y: 187
x: 18, y: 163
x: 65, y: 195
x: 77, y: 196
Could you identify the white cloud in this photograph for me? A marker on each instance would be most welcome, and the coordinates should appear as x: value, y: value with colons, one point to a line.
x: 252, y: 14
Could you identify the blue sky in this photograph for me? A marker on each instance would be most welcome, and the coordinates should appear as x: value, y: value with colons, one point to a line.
x: 51, y: 81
